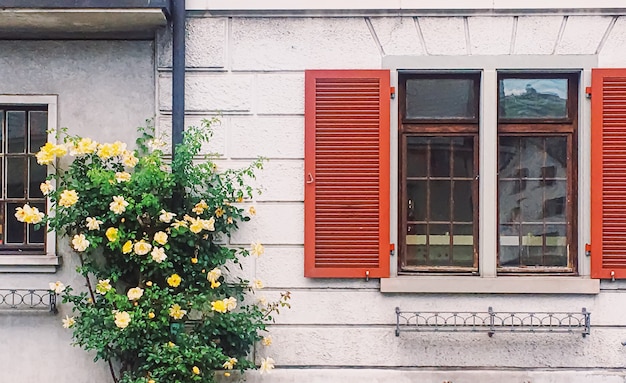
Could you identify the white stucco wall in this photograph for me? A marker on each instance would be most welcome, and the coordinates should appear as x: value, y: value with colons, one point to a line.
x: 250, y: 71
x: 105, y: 90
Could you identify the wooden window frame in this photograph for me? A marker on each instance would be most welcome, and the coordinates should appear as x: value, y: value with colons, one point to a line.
x: 444, y: 127
x: 536, y: 127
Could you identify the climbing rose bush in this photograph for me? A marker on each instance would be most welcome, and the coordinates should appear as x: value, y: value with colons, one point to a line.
x: 159, y: 306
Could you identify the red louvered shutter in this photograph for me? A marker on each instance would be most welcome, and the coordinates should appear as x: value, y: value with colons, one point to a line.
x: 608, y: 173
x: 346, y: 198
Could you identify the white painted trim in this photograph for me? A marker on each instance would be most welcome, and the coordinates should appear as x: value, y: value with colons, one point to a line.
x: 533, y: 6
x: 30, y: 262
x: 454, y: 284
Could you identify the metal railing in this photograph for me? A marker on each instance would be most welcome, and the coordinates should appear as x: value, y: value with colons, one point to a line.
x: 491, y: 322
x: 27, y: 299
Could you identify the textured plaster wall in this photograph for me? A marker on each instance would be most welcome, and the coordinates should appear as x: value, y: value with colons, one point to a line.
x: 250, y: 72
x: 105, y: 90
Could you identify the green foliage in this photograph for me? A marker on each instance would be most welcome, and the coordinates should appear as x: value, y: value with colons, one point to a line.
x: 149, y: 232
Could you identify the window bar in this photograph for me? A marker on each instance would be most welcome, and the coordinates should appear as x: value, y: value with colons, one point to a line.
x: 493, y: 322
x: 28, y: 299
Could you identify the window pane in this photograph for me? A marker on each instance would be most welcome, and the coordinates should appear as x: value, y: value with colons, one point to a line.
x: 418, y: 200
x: 463, y: 201
x: 463, y: 156
x: 15, y: 230
x: 16, y: 172
x: 441, y: 98
x: 417, y: 156
x: 37, y: 236
x: 38, y: 127
x: 529, y: 98
x: 533, y: 201
x: 37, y: 175
x: 440, y: 250
x: 463, y: 245
x: 440, y: 157
x: 417, y: 248
x: 16, y: 131
x: 440, y: 201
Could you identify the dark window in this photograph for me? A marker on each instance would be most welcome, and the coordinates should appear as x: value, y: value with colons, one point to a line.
x: 537, y: 172
x: 23, y: 132
x: 438, y: 172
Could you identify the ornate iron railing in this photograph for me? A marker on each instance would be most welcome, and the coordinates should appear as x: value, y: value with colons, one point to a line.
x: 491, y: 322
x: 21, y: 299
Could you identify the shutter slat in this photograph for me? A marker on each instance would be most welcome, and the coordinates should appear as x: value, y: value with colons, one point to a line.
x: 608, y: 174
x: 347, y: 155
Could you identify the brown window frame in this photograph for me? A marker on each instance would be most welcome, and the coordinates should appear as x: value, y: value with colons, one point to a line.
x: 549, y: 127
x: 428, y: 127
x: 25, y: 247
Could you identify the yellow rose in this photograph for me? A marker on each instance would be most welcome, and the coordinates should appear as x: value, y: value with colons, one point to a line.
x: 196, y: 370
x: 142, y: 247
x: 267, y: 364
x: 68, y: 198
x: 208, y: 224
x: 93, y: 223
x: 195, y: 226
x: 129, y: 159
x: 57, y: 287
x: 122, y: 177
x: 128, y: 247
x: 46, y: 187
x: 257, y: 284
x: 231, y: 303
x: 219, y: 306
x: 166, y: 217
x: 194, y: 260
x: 257, y: 249
x: 151, y: 315
x: 111, y: 234
x: 214, y: 275
x: 158, y: 254
x: 160, y: 237
x: 122, y: 319
x: 28, y: 214
x: 103, y: 286
x: 219, y: 212
x: 118, y: 206
x: 68, y: 321
x: 252, y: 210
x: 135, y: 293
x: 80, y: 243
x: 174, y: 280
x: 266, y: 341
x: 85, y: 146
x: 230, y: 363
x: 200, y: 207
x: 176, y: 312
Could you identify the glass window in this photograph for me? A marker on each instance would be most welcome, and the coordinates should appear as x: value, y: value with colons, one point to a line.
x: 533, y: 98
x: 25, y: 130
x: 536, y: 175
x: 439, y: 187
x: 447, y: 98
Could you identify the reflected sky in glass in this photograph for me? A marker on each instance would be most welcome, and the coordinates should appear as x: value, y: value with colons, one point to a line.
x: 519, y: 86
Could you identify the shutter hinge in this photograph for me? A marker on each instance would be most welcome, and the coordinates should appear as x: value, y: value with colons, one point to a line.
x: 588, y: 91
x: 392, y: 249
x: 392, y: 92
x: 588, y: 249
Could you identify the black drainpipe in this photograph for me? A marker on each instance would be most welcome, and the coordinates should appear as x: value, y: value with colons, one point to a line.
x: 178, y: 81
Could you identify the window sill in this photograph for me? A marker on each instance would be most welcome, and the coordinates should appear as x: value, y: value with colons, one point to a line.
x: 500, y: 285
x: 29, y: 263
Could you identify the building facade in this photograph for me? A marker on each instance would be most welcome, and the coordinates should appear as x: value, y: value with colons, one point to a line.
x: 461, y: 161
